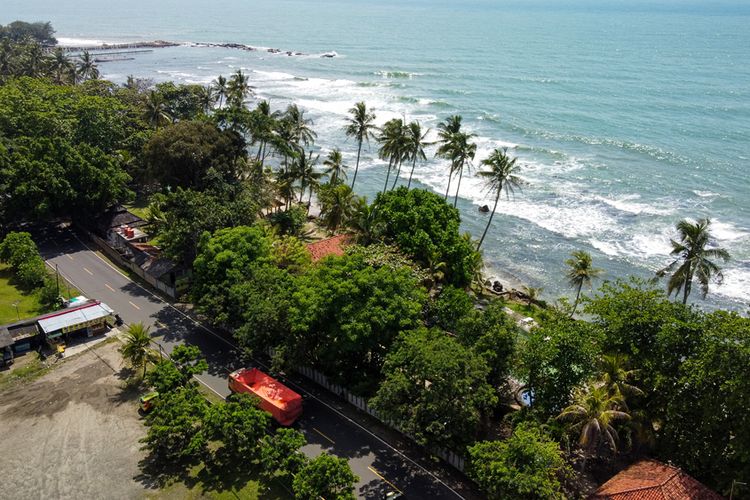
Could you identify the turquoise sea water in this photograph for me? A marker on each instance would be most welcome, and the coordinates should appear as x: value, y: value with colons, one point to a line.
x: 625, y: 116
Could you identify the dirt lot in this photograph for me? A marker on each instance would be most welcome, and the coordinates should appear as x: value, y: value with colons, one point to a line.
x: 73, y: 433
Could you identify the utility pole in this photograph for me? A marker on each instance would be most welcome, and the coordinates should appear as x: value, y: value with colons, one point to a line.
x: 15, y: 304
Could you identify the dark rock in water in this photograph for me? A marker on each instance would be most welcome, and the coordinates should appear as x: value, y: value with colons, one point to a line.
x: 329, y: 54
x: 484, y: 209
x: 497, y: 286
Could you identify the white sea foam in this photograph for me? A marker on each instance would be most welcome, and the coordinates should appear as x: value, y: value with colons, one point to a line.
x: 81, y: 42
x: 627, y: 204
x: 736, y: 284
x: 724, y: 231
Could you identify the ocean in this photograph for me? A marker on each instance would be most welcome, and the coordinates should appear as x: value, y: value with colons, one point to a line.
x: 626, y: 116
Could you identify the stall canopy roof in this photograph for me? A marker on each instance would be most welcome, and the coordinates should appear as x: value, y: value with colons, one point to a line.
x: 69, y: 318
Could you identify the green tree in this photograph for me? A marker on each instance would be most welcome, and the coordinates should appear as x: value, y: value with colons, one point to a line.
x: 62, y: 67
x: 156, y: 110
x: 591, y: 416
x: 137, y: 346
x: 325, y: 476
x: 392, y: 141
x: 447, y: 130
x: 240, y: 425
x: 617, y: 377
x: 165, y: 377
x: 693, y: 259
x: 580, y: 272
x: 462, y: 151
x: 220, y: 87
x: 238, y: 88
x: 291, y: 254
x: 415, y: 146
x: 337, y: 205
x: 176, y: 434
x: 361, y: 127
x: 280, y: 453
x: 301, y: 131
x: 528, y: 465
x: 450, y: 307
x: 87, y: 67
x: 346, y: 314
x: 434, y: 389
x: 502, y: 175
x: 335, y: 168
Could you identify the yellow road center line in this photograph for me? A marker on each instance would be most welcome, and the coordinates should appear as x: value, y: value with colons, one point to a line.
x: 326, y: 437
x: 384, y: 479
x: 134, y: 305
x: 107, y: 285
x: 88, y: 271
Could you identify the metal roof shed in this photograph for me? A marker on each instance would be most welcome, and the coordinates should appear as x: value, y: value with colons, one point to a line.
x: 69, y: 320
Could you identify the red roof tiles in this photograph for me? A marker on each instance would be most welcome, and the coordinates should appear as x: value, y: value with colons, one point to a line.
x: 652, y: 480
x: 330, y: 246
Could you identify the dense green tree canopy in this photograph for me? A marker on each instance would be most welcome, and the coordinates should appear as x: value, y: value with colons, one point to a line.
x: 325, y: 476
x: 240, y: 425
x: 347, y: 313
x: 435, y: 388
x: 18, y: 31
x: 528, y: 465
x: 425, y: 227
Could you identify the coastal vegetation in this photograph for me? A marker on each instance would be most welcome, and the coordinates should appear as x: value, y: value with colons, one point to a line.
x: 402, y: 318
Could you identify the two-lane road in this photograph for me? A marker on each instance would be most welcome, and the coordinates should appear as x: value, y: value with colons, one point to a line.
x: 380, y: 467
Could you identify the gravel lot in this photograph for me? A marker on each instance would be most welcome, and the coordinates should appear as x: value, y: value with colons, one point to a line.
x: 72, y: 433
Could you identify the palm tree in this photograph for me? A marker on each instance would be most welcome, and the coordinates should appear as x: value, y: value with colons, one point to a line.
x: 502, y: 175
x: 136, y: 348
x: 157, y: 112
x: 693, y: 259
x: 360, y: 126
x: 592, y: 414
x: 532, y: 294
x: 616, y: 376
x: 392, y: 145
x: 299, y: 125
x: 60, y: 64
x: 463, y: 152
x: 337, y: 204
x: 446, y: 130
x: 363, y: 222
x: 263, y: 122
x: 220, y: 86
x: 87, y: 67
x: 336, y: 169
x: 34, y: 60
x: 238, y: 88
x: 580, y: 272
x: 207, y: 98
x: 308, y: 177
x: 415, y: 146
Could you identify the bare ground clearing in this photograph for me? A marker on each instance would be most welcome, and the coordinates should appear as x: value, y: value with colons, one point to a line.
x: 73, y: 433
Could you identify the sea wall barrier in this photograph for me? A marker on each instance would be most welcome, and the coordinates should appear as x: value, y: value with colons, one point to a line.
x: 160, y: 44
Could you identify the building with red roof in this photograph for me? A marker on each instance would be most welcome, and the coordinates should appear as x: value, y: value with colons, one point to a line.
x: 330, y: 246
x: 652, y: 480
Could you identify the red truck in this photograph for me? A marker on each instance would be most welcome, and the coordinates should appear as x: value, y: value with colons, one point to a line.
x: 284, y: 405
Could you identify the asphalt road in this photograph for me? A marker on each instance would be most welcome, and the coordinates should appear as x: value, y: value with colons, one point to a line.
x: 380, y: 467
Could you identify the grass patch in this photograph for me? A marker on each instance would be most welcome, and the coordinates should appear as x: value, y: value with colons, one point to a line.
x: 138, y: 207
x: 210, y: 395
x: 200, y: 484
x: 30, y: 369
x: 28, y: 302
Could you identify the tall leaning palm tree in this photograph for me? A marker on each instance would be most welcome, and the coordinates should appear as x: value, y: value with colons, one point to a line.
x: 207, y: 98
x: 693, y: 259
x: 136, y: 348
x: 501, y: 176
x: 592, y: 414
x: 391, y: 145
x: 580, y: 272
x: 415, y: 146
x: 300, y: 128
x: 335, y: 168
x: 238, y: 88
x: 360, y: 126
x: 61, y: 65
x: 220, y: 87
x: 447, y: 129
x: 463, y: 152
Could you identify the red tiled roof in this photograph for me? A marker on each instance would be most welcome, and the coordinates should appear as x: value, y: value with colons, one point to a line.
x: 652, y: 480
x: 330, y: 246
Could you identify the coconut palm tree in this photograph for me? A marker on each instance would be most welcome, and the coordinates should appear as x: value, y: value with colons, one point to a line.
x: 446, y: 130
x: 263, y: 122
x: 136, y: 348
x: 463, y: 152
x: 693, y: 259
x: 415, y: 146
x: 337, y: 204
x: 592, y: 414
x: 220, y: 87
x: 361, y: 126
x: 156, y: 112
x: 580, y: 272
x: 61, y: 65
x: 308, y: 177
x: 616, y: 377
x: 336, y: 170
x: 87, y: 67
x: 392, y: 145
x: 35, y: 61
x: 532, y: 294
x: 363, y: 222
x: 238, y: 88
x: 207, y: 98
x: 501, y: 176
x: 299, y: 125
